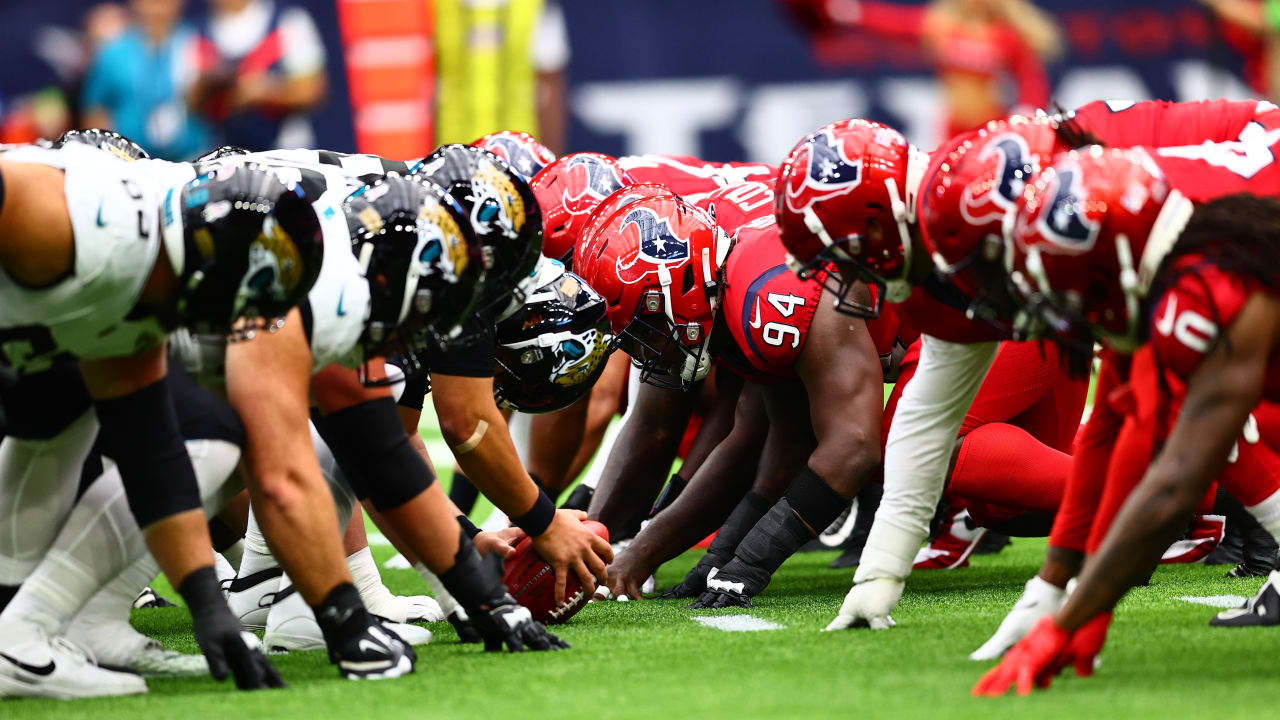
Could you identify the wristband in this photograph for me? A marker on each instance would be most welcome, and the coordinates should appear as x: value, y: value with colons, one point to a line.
x: 468, y: 527
x: 538, y: 519
x: 201, y: 591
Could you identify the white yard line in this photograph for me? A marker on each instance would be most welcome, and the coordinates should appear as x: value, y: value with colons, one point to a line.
x: 1218, y: 601
x: 736, y: 623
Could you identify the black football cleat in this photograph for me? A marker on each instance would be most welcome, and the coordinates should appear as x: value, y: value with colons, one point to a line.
x: 1260, y: 610
x: 579, y: 498
x: 372, y: 652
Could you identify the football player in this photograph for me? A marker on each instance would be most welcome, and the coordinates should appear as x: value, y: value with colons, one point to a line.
x: 81, y: 240
x: 672, y: 281
x: 1193, y: 283
x: 961, y: 339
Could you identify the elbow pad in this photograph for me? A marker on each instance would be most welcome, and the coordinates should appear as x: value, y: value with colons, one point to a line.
x: 374, y: 452
x: 140, y: 432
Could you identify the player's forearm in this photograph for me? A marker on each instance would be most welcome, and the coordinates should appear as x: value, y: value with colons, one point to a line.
x: 180, y: 544
x: 488, y: 457
x: 636, y: 469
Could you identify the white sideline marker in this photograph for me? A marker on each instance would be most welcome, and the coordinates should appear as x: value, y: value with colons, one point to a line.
x: 1218, y: 601
x: 736, y: 623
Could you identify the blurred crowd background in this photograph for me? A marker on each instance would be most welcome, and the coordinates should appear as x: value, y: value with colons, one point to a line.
x: 720, y: 79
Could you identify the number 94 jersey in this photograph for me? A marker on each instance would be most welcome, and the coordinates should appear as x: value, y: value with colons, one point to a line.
x: 765, y: 307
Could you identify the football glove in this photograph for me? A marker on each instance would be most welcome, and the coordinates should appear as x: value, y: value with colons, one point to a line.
x: 868, y: 604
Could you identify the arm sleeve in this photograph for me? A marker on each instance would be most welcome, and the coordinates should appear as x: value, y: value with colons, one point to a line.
x: 918, y: 451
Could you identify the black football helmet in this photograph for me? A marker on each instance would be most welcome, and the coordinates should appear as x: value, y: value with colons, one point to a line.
x: 504, y: 216
x: 245, y: 245
x: 108, y: 140
x: 422, y: 262
x: 554, y: 347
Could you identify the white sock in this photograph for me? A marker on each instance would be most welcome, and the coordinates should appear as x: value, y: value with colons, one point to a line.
x: 255, y: 556
x: 364, y: 574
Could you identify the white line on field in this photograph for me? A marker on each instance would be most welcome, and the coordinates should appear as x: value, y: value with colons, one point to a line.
x: 736, y: 623
x: 1218, y: 601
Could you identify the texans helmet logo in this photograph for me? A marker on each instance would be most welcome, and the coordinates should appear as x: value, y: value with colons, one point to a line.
x: 516, y: 153
x: 992, y: 195
x: 597, y: 179
x: 828, y: 173
x: 658, y: 244
x: 1062, y: 222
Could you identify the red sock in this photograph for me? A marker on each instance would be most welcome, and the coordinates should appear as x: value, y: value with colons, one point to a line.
x: 1004, y: 465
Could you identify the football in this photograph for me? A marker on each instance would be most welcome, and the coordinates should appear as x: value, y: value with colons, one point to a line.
x: 532, y: 582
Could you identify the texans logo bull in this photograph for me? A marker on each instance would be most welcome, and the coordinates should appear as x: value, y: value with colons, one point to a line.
x: 597, y: 179
x: 1062, y: 221
x: 518, y: 154
x: 995, y: 192
x: 828, y: 173
x: 658, y: 244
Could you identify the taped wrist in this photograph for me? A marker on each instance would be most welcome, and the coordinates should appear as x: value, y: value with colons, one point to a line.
x: 468, y: 528
x: 201, y: 592
x: 373, y: 450
x: 470, y: 581
x: 774, y: 539
x: 140, y: 431
x: 748, y: 512
x: 538, y: 519
x: 816, y: 502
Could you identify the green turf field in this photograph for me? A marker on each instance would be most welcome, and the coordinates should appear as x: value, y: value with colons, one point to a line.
x: 649, y: 660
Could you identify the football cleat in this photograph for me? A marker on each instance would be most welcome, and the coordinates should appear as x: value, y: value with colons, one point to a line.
x: 149, y: 599
x: 156, y: 661
x: 952, y: 547
x: 1201, y: 538
x: 839, y: 530
x: 250, y: 597
x: 1260, y: 610
x: 373, y: 653
x: 117, y: 646
x: 34, y: 665
x: 292, y: 627
x: 404, y: 608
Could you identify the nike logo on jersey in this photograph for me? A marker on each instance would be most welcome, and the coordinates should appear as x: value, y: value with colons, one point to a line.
x: 46, y: 669
x: 101, y: 222
x: 341, y: 312
x: 755, y: 323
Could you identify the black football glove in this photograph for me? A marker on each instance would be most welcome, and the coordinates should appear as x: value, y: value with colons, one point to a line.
x: 509, y: 623
x: 467, y: 633
x: 695, y: 582
x: 221, y: 639
x: 734, y: 586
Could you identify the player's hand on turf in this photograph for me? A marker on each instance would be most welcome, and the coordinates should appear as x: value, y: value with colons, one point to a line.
x: 1031, y: 663
x: 695, y: 582
x: 727, y: 588
x: 627, y: 575
x: 1086, y: 643
x: 568, y: 545
x: 509, y: 624
x: 503, y: 542
x: 1039, y: 599
x: 868, y: 605
x: 229, y: 651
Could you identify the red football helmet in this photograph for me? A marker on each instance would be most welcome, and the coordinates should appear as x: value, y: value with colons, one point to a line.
x: 1089, y: 235
x: 846, y: 195
x: 587, y: 249
x: 738, y: 205
x: 973, y: 182
x: 659, y: 270
x: 521, y: 150
x: 567, y: 191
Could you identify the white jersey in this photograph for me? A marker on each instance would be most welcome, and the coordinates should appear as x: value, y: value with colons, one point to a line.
x: 115, y: 218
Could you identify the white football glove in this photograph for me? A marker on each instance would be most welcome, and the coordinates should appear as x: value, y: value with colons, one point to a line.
x: 868, y: 604
x: 1039, y: 599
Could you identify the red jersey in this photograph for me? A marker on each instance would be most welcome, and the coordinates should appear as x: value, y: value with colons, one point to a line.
x: 692, y: 178
x: 766, y: 308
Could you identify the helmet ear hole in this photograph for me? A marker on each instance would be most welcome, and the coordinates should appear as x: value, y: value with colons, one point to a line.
x: 688, y: 281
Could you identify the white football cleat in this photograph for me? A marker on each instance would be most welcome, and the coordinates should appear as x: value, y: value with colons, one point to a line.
x: 1039, y: 599
x: 117, y: 646
x: 292, y: 627
x: 34, y: 665
x: 250, y: 597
